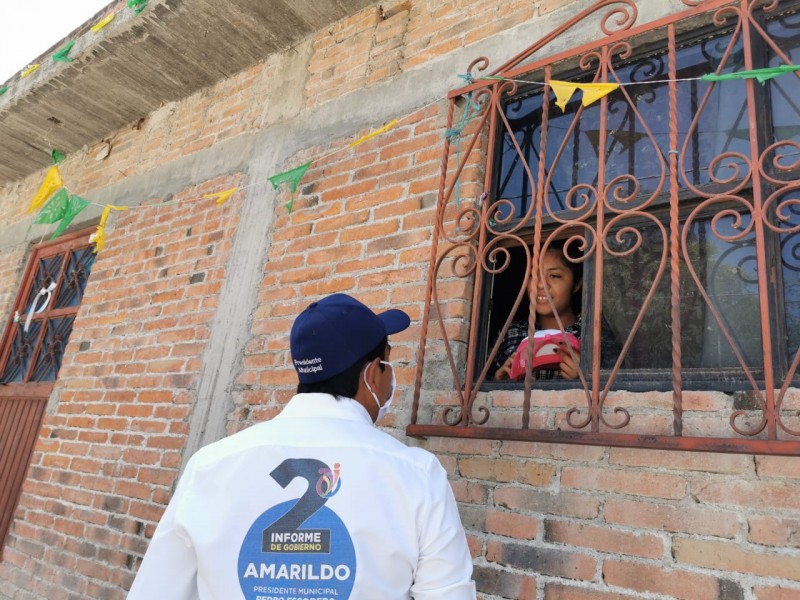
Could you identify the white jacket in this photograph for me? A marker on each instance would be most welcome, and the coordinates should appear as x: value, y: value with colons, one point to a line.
x: 316, y: 504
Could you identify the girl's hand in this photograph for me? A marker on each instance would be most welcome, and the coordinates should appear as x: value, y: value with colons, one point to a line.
x: 504, y: 372
x: 568, y: 366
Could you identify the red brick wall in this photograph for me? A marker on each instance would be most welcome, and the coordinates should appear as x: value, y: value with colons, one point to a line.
x: 380, y: 42
x: 363, y: 226
x: 109, y: 452
x: 544, y: 521
x: 12, y: 261
x: 599, y: 523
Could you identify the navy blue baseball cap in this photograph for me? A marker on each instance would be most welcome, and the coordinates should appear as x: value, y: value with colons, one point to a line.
x: 331, y: 335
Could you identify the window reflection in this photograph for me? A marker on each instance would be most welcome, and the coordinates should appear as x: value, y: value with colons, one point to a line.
x: 76, y: 276
x: 726, y: 271
x: 784, y: 92
x: 790, y: 260
x: 51, y: 352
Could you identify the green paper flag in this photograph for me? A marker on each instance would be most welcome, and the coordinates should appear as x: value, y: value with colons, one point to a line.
x: 761, y: 75
x: 55, y: 209
x: 75, y: 206
x: 61, y: 55
x: 293, y: 176
x: 57, y: 156
x: 137, y: 5
x: 3, y: 89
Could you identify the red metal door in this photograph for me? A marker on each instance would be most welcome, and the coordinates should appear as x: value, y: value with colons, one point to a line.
x: 20, y: 419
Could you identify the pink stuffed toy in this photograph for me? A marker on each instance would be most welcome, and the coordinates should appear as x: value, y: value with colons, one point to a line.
x: 545, y: 351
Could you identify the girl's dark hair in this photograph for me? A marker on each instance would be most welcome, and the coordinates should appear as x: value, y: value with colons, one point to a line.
x: 345, y: 384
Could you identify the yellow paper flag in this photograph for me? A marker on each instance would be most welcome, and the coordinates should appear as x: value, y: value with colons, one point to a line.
x: 594, y: 91
x: 373, y: 134
x: 563, y: 91
x: 51, y: 183
x: 99, y: 239
x: 99, y: 236
x: 103, y: 22
x: 29, y: 69
x: 221, y: 196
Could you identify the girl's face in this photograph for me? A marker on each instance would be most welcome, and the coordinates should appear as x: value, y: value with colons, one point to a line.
x: 559, y: 282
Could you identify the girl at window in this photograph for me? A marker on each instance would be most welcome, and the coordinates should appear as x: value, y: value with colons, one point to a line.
x: 563, y: 280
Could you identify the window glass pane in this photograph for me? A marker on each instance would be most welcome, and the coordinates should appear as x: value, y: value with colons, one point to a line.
x: 784, y: 96
x: 76, y: 275
x: 578, y: 163
x: 712, y: 121
x: 630, y: 150
x: 572, y: 157
x: 19, y: 358
x: 627, y: 280
x: 47, y: 272
x: 713, y: 116
x: 48, y: 362
x: 790, y: 254
x: 784, y: 91
x: 726, y: 272
x: 784, y: 31
x: 524, y: 116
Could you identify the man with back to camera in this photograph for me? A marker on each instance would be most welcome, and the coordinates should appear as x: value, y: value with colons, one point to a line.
x: 316, y: 504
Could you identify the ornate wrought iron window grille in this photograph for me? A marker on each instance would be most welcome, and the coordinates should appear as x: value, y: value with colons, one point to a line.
x: 40, y: 326
x: 680, y: 199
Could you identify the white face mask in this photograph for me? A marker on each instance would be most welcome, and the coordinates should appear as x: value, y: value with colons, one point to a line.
x: 385, y: 407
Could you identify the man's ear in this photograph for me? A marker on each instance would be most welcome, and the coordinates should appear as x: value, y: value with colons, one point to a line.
x: 371, y: 374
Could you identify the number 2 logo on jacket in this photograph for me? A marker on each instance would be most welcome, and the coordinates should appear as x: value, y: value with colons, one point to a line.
x: 299, y: 549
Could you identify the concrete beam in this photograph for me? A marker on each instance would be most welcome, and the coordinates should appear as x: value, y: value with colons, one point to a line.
x: 139, y: 62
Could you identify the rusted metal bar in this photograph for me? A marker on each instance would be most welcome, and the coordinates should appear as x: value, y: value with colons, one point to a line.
x: 623, y: 440
x: 470, y: 385
x: 746, y: 8
x: 426, y: 311
x: 674, y: 240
